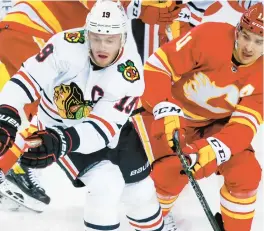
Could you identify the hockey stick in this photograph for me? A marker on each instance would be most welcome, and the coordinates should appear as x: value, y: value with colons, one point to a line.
x: 196, y: 186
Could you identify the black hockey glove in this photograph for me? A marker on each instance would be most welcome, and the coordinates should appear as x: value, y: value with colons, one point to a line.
x: 9, y: 123
x: 46, y: 146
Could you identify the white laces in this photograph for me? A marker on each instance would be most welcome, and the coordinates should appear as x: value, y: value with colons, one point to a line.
x: 33, y: 178
x: 2, y: 177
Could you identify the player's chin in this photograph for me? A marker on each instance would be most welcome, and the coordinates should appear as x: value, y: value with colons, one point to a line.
x: 247, y: 61
x: 103, y: 62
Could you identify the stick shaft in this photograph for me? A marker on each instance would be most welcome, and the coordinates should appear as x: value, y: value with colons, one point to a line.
x: 197, y: 188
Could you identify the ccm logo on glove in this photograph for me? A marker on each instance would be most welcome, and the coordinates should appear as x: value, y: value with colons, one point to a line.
x: 166, y: 109
x: 222, y: 152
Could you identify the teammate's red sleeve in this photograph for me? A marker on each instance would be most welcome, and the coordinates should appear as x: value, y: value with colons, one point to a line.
x: 167, y: 64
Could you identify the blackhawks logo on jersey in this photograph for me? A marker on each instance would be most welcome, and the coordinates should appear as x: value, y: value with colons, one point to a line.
x: 75, y: 37
x: 129, y: 71
x: 70, y: 102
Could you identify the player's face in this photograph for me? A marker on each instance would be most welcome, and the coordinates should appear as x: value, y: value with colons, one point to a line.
x: 104, y: 48
x: 249, y: 46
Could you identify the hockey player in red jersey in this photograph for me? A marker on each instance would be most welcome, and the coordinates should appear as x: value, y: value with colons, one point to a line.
x: 214, y: 75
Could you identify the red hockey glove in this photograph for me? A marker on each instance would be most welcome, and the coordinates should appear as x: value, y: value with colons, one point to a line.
x: 210, y: 153
x: 167, y: 121
x: 152, y: 12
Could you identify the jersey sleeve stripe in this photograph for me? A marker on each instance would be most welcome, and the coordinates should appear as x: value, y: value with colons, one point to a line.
x: 21, y: 73
x: 48, y: 107
x: 99, y: 130
x: 244, y: 121
x: 162, y: 57
x: 255, y: 113
x: 47, y: 98
x: 69, y: 166
x: 22, y: 85
x: 35, y: 81
x: 155, y: 69
x: 251, y: 118
x: 106, y: 124
x: 154, y: 63
x: 48, y: 114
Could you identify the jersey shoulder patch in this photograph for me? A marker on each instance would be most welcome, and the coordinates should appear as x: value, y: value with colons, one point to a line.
x: 74, y: 55
x: 129, y: 71
x: 75, y: 36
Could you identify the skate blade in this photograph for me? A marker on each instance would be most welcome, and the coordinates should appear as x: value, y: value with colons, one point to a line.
x: 10, y: 201
x: 7, y: 204
x: 15, y: 194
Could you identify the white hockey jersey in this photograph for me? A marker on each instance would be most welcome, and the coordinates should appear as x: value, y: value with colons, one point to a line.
x: 74, y: 92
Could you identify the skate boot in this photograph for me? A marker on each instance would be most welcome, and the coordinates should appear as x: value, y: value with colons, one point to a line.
x: 22, y: 186
x: 170, y: 223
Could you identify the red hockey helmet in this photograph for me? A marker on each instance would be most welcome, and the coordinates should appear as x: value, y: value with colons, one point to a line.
x: 253, y: 19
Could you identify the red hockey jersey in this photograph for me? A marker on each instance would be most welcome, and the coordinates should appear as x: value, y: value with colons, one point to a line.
x: 197, y: 73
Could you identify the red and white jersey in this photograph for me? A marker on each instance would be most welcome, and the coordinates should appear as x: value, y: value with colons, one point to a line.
x: 201, y: 76
x: 75, y: 92
x: 193, y: 13
x: 217, y: 11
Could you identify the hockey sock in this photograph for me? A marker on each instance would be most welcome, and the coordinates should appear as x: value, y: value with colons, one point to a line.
x: 237, y: 213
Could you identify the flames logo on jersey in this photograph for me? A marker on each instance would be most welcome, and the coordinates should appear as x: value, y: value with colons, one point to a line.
x: 75, y: 37
x: 206, y: 94
x: 70, y: 102
x: 129, y: 71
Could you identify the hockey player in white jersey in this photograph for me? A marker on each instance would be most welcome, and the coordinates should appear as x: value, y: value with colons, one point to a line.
x: 88, y: 83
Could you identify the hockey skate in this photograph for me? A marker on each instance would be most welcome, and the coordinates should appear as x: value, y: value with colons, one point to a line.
x: 170, y: 223
x: 22, y: 186
x: 7, y: 204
